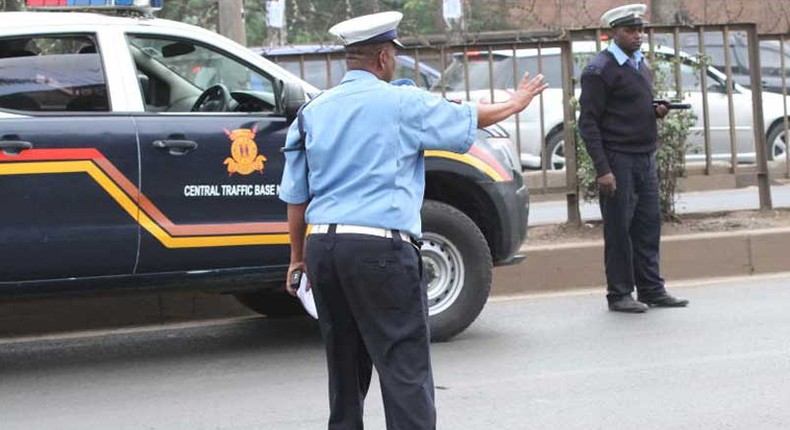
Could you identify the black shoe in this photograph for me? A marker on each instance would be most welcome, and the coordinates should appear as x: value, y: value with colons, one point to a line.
x: 664, y: 301
x: 627, y: 304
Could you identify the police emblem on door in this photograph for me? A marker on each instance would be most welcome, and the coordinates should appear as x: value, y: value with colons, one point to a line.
x: 244, y: 157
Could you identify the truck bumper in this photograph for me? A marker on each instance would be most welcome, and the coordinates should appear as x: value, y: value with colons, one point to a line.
x: 515, y: 213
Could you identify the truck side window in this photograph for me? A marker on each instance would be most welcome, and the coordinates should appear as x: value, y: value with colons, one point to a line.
x: 177, y: 71
x: 52, y: 74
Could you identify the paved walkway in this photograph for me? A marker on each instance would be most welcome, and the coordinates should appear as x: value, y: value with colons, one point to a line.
x: 555, y: 212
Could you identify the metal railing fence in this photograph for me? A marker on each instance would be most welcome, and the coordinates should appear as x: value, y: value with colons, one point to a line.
x: 711, y: 66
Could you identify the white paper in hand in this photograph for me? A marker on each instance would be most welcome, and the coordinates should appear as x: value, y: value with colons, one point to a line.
x: 305, y: 294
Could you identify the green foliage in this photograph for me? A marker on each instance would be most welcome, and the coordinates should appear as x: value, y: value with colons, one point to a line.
x: 670, y: 157
x: 308, y: 21
x: 419, y: 17
x: 202, y: 13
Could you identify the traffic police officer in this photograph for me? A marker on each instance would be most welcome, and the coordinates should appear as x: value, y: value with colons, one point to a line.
x: 359, y: 183
x: 618, y: 124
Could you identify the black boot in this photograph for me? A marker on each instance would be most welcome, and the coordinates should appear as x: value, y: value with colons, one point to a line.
x: 663, y: 301
x: 627, y: 304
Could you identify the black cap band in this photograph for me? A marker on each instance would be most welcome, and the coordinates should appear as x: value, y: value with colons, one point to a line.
x: 383, y: 37
x: 627, y: 21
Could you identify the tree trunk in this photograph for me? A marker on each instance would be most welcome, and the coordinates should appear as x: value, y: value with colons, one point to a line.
x: 231, y: 20
x: 666, y: 12
x: 438, y: 18
x: 10, y: 5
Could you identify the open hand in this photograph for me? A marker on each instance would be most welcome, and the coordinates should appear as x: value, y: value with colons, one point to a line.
x: 527, y: 90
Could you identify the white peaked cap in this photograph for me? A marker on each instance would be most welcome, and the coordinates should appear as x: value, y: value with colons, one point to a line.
x: 630, y: 14
x: 374, y: 28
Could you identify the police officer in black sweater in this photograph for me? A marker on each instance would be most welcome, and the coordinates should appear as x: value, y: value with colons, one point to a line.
x: 618, y: 124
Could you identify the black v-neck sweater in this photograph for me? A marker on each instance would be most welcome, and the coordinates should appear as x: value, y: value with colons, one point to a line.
x: 617, y: 112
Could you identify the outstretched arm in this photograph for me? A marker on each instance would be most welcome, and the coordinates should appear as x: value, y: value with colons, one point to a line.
x: 527, y: 89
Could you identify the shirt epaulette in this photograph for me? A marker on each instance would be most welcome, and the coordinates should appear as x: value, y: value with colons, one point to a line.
x: 592, y: 70
x: 597, y: 64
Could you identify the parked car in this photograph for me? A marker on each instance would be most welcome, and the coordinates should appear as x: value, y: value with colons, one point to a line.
x: 325, y: 65
x: 486, y: 87
x: 495, y: 84
x: 770, y: 58
x: 145, y: 153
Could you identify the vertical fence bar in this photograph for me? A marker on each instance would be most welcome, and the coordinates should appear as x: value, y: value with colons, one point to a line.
x: 545, y: 157
x: 784, y: 98
x: 650, y: 45
x: 705, y: 108
x: 676, y: 63
x: 758, y: 127
x: 466, y: 72
x: 571, y: 178
x: 328, y: 64
x: 597, y: 39
x: 490, y: 57
x: 518, y: 114
x: 442, y: 78
x: 417, y: 68
x: 730, y: 105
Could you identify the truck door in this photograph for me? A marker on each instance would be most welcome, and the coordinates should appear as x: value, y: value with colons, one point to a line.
x: 211, y: 165
x: 68, y: 166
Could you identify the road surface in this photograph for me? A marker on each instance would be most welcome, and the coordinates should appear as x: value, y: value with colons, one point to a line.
x: 538, y: 362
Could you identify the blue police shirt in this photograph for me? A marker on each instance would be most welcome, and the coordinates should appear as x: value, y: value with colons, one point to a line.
x: 364, y: 148
x: 622, y: 57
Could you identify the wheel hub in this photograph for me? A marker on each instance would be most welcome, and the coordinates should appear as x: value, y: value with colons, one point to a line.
x: 443, y: 268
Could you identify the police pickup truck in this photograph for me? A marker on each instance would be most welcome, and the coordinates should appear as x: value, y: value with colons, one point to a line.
x: 141, y: 153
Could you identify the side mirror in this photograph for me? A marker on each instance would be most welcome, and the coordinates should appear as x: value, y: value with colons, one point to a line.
x: 292, y: 97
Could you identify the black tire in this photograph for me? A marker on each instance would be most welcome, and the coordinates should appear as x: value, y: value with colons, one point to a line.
x: 273, y: 304
x: 457, y: 263
x: 555, y: 151
x: 776, y: 142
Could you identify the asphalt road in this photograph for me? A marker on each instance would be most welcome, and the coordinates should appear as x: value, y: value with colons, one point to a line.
x: 539, y: 362
x: 554, y: 212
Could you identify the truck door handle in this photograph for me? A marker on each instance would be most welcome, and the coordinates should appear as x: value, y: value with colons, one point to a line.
x: 176, y: 146
x: 14, y: 147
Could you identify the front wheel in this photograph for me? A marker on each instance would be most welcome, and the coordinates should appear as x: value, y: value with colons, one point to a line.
x: 777, y: 142
x: 555, y: 148
x: 457, y: 266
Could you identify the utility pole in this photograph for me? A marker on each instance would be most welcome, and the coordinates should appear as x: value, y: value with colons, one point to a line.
x: 231, y: 20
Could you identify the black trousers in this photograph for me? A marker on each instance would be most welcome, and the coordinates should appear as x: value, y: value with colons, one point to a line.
x: 632, y: 227
x: 372, y: 308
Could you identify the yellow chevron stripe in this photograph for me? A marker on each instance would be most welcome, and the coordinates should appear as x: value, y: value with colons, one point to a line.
x: 468, y: 159
x: 134, y: 211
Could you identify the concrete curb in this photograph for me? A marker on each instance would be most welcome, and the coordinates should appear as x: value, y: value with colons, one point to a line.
x: 550, y: 268
x: 683, y: 257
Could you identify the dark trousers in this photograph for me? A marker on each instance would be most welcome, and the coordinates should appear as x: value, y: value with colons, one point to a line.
x: 373, y: 311
x: 632, y: 227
